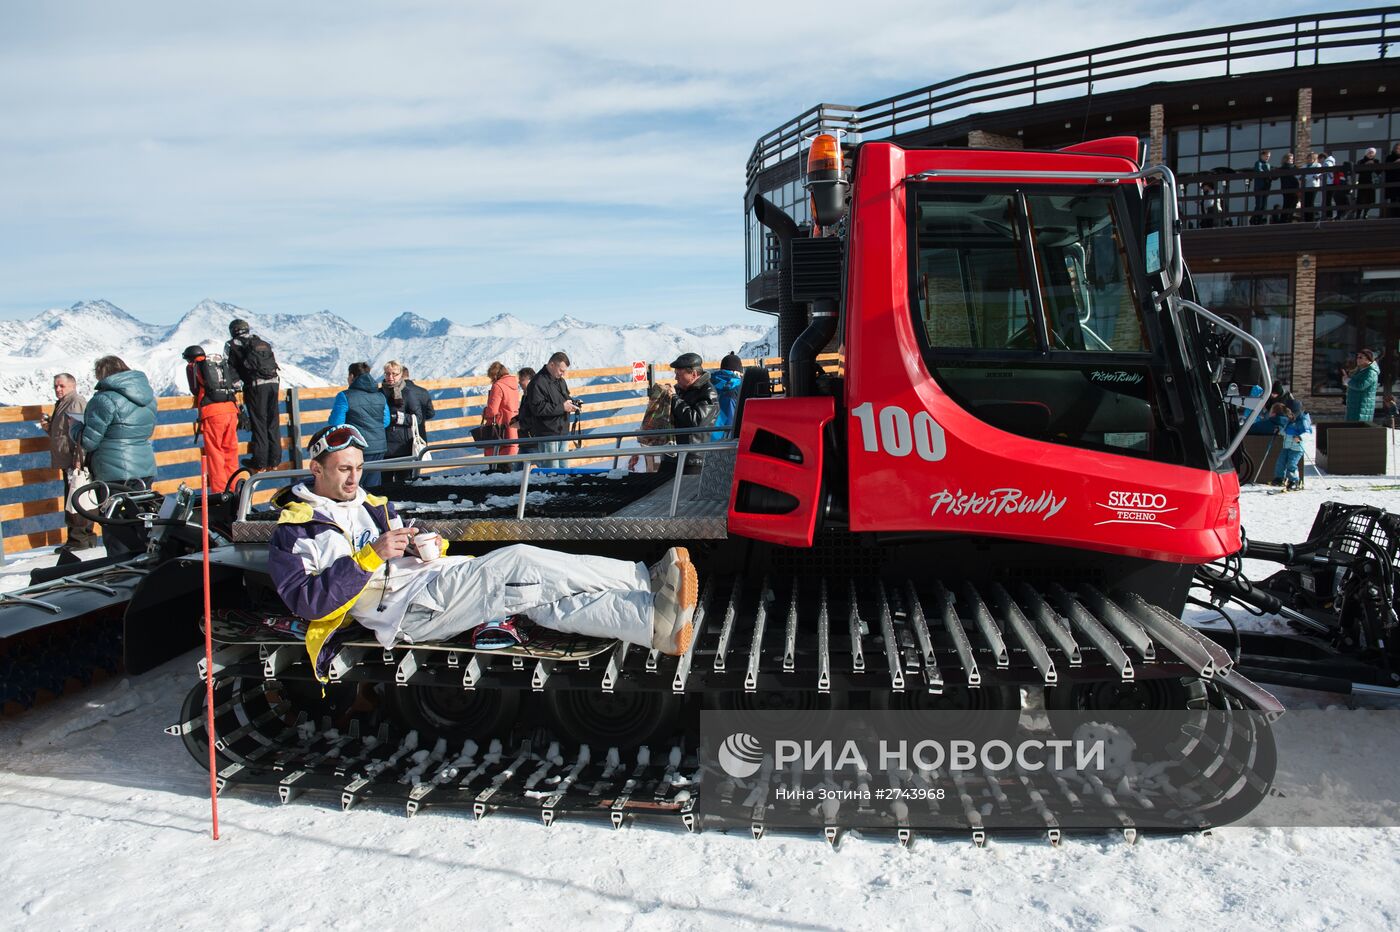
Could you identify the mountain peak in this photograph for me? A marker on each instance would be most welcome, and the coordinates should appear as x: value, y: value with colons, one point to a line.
x: 569, y: 322
x: 408, y: 325
x: 99, y: 306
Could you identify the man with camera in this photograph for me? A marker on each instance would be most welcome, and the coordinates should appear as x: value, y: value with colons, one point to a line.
x: 694, y: 402
x: 547, y: 407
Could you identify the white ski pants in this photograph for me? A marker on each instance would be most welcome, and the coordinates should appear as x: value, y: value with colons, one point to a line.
x: 578, y: 594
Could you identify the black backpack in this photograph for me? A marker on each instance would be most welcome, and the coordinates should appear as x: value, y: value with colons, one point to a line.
x: 259, y: 358
x: 217, y: 378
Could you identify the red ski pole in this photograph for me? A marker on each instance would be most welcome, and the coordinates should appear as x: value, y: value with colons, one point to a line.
x: 208, y: 641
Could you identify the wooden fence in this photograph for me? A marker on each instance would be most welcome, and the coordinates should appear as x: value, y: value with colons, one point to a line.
x: 31, y: 502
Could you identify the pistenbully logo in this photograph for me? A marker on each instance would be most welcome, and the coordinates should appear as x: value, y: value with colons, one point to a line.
x: 741, y: 755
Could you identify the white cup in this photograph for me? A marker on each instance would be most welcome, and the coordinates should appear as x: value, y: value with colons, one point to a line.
x: 429, y: 546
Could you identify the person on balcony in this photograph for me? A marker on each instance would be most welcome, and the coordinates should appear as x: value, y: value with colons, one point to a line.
x: 1368, y: 181
x: 1210, y: 207
x: 1392, y: 182
x: 1288, y: 186
x: 1312, y: 189
x: 1264, y: 180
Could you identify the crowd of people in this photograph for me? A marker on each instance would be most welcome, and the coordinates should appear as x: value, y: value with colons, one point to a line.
x: 108, y: 438
x: 1320, y: 188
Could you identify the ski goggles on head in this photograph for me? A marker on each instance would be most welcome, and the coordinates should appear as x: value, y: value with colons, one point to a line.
x: 335, y: 440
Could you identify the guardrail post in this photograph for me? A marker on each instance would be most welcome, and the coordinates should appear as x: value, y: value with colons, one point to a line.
x: 294, y: 424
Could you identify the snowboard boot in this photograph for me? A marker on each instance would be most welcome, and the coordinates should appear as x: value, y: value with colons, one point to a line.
x: 675, y: 588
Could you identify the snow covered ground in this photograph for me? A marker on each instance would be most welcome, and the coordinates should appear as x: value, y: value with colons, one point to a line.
x: 104, y: 824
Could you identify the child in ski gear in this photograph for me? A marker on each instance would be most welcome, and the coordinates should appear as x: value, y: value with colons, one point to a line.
x: 211, y: 384
x: 339, y: 555
x: 1291, y: 428
x: 255, y: 365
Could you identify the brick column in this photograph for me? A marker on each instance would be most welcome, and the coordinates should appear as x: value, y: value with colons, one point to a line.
x: 1304, y: 313
x: 1157, y: 127
x: 1302, y: 128
x: 981, y: 139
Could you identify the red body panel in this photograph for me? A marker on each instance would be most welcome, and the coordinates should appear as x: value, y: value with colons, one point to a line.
x: 799, y: 422
x: 988, y: 481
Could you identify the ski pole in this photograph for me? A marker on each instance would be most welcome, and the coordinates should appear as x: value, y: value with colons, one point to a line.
x: 1391, y: 464
x: 208, y: 642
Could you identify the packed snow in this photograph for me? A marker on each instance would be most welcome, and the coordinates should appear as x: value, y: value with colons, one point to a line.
x: 106, y: 822
x: 315, y: 349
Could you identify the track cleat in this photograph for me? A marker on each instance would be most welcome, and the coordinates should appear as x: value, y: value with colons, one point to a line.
x: 675, y: 589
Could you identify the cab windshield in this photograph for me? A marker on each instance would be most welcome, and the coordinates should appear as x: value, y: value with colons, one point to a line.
x: 1029, y: 310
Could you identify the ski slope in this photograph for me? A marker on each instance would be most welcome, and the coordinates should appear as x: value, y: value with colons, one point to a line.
x: 105, y: 820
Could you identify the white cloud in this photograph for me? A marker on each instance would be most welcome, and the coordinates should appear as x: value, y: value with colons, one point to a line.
x: 151, y: 146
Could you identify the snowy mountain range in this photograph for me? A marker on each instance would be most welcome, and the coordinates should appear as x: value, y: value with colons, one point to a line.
x: 315, y: 349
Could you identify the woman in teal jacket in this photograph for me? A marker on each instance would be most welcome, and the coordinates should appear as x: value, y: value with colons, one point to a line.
x: 1361, y: 387
x: 116, y: 436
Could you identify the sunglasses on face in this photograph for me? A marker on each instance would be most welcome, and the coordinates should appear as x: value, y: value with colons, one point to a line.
x: 333, y: 441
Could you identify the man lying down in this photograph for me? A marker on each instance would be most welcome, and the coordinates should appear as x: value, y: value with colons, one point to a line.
x: 339, y: 555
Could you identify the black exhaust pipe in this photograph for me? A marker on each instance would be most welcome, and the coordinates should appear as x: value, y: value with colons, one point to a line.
x: 801, y: 361
x: 792, y: 318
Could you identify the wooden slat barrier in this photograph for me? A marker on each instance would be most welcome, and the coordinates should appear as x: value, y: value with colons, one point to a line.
x: 182, y: 446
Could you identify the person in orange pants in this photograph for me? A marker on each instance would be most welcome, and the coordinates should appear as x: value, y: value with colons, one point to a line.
x: 211, y: 384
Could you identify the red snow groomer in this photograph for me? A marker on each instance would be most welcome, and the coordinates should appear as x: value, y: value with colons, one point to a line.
x: 993, y: 490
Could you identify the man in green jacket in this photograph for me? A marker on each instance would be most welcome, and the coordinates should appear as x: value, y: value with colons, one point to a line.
x: 116, y: 436
x: 1361, y: 387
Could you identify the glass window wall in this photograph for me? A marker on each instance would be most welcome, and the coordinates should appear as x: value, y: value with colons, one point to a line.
x: 1356, y: 308
x: 1260, y: 302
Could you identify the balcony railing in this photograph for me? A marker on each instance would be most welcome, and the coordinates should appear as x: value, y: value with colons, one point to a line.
x: 1295, y: 42
x: 1225, y: 198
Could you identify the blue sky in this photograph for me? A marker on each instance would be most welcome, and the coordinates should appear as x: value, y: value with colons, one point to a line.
x: 449, y: 159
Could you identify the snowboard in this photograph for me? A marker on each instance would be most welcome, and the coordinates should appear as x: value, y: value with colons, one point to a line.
x: 244, y: 626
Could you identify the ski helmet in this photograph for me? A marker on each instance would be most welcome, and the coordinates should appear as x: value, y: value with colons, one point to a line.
x: 193, y: 352
x: 237, y: 327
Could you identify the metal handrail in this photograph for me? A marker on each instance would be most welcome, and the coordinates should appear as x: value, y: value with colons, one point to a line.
x: 1310, y: 34
x: 245, y: 496
x: 1266, y: 378
x: 87, y: 579
x: 599, y: 435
